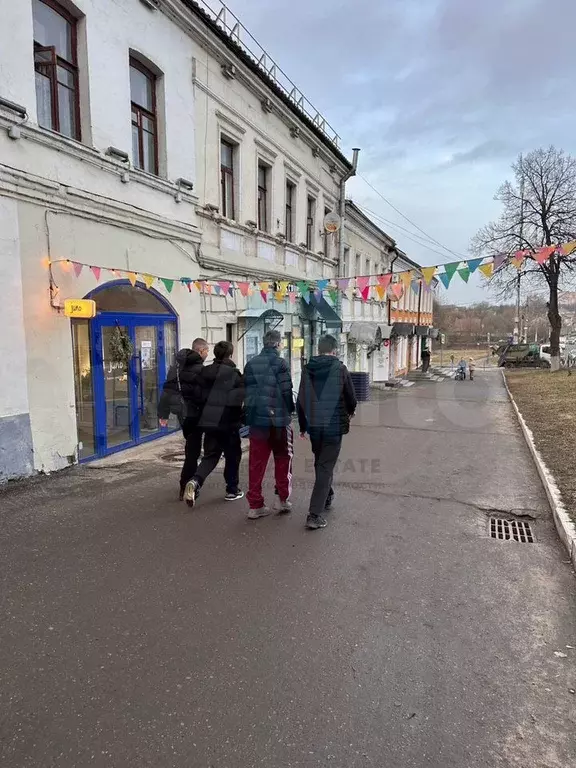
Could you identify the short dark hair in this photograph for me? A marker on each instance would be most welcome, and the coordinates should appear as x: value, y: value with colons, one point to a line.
x: 223, y: 350
x: 199, y: 344
x: 327, y: 344
x: 272, y: 338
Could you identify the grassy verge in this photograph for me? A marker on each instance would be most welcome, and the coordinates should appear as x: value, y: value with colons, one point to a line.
x: 476, y: 353
x: 548, y: 403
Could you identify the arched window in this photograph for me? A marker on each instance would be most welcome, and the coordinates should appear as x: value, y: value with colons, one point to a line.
x: 125, y: 298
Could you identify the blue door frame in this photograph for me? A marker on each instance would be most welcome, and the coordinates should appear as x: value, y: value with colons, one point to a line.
x: 130, y: 321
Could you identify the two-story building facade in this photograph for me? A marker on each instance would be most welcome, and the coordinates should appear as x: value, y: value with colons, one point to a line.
x: 143, y: 150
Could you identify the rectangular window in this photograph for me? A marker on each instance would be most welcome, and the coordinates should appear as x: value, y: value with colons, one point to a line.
x: 357, y: 266
x: 263, y: 202
x: 56, y: 68
x: 346, y: 263
x: 326, y: 236
x: 144, y: 118
x: 290, y: 210
x: 310, y: 222
x: 227, y: 152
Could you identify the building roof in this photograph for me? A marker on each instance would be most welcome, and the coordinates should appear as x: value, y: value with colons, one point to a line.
x: 253, y: 65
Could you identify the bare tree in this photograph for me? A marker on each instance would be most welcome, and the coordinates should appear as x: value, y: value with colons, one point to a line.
x: 539, y: 209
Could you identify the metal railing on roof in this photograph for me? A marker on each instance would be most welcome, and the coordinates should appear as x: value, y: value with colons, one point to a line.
x: 237, y: 32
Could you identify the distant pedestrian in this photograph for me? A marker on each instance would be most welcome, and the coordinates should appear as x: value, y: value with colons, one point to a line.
x: 269, y: 408
x: 326, y: 403
x: 218, y: 396
x: 471, y: 368
x: 461, y: 369
x: 425, y: 355
x: 178, y: 398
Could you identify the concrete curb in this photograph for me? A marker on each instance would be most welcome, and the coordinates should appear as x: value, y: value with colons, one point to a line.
x: 564, y: 525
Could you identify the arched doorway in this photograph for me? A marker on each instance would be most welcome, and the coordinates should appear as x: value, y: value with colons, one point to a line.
x: 117, y: 395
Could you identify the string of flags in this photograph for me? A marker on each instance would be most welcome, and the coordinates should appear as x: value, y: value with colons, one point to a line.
x: 389, y: 286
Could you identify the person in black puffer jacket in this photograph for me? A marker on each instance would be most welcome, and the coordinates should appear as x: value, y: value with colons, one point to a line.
x: 218, y: 393
x: 326, y: 403
x: 178, y: 397
x: 269, y: 408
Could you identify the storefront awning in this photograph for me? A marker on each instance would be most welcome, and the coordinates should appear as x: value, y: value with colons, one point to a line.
x: 327, y: 313
x: 402, y: 329
x: 269, y: 315
x: 367, y: 333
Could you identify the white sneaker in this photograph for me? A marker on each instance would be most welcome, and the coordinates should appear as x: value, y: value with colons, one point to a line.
x: 254, y: 514
x: 282, y: 507
x: 190, y: 493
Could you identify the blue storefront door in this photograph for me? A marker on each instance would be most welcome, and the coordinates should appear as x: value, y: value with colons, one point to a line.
x: 126, y: 394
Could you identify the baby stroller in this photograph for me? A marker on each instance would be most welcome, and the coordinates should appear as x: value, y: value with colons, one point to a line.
x: 460, y: 373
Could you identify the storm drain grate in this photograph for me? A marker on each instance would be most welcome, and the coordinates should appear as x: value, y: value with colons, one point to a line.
x: 511, y: 530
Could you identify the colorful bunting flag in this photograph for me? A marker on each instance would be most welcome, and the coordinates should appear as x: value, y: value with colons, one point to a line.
x: 406, y: 278
x: 278, y: 296
x: 333, y: 293
x: 148, y: 280
x: 362, y: 283
x: 518, y: 259
x: 416, y: 286
x: 499, y: 260
x: 365, y: 292
x: 464, y: 273
x: 132, y: 276
x: 244, y: 288
x: 264, y: 295
x: 450, y: 270
x: 381, y: 292
x: 384, y: 280
x: 77, y: 268
x: 225, y: 286
x: 96, y: 272
x: 397, y: 290
x: 487, y: 269
x: 445, y: 278
x: 264, y: 286
x: 428, y: 274
x: 304, y: 289
x: 292, y: 296
x: 168, y: 284
x: 568, y: 248
x: 473, y: 264
x: 543, y: 254
x: 343, y: 283
x: 322, y: 284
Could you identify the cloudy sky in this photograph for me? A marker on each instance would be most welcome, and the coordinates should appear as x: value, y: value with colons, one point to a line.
x: 441, y: 96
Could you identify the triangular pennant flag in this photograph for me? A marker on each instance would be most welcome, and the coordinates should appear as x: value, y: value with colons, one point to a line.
x: 473, y: 264
x: 225, y: 286
x: 264, y: 295
x: 406, y: 278
x: 217, y: 290
x: 168, y: 284
x: 197, y: 284
x: 381, y: 292
x: 114, y: 272
x: 333, y: 293
x: 132, y: 276
x: 206, y: 287
x: 96, y: 271
x: 279, y: 296
x: 283, y: 285
x: 304, y: 290
x: 306, y: 296
x: 416, y: 286
x: 365, y: 292
x: 244, y: 288
x: 77, y: 268
x: 464, y: 273
x: 568, y: 248
x: 385, y: 280
x: 322, y: 285
x: 343, y: 283
x: 518, y: 259
x: 487, y: 269
x: 148, y: 280
x: 398, y: 290
x: 499, y: 259
x: 543, y: 254
x: 450, y: 270
x: 362, y: 282
x: 264, y: 286
x: 428, y: 274
x: 292, y: 297
x: 445, y: 278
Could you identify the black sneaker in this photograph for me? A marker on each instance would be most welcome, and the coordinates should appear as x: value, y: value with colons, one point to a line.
x: 234, y: 495
x: 313, y: 522
x: 329, y: 502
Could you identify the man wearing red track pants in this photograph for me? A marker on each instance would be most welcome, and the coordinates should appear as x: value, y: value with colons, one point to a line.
x: 269, y: 407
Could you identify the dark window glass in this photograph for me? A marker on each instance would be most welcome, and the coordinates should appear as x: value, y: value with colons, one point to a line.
x: 227, y: 179
x: 144, y: 118
x: 290, y: 201
x: 263, y: 198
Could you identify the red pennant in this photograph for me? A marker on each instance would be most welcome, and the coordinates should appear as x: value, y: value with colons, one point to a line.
x: 384, y: 280
x: 96, y: 272
x: 264, y: 295
x: 77, y: 268
x: 543, y: 254
x: 362, y: 283
x: 244, y: 288
x: 225, y: 286
x: 365, y: 292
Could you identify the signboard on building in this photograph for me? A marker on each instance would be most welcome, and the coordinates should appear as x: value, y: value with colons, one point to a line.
x: 80, y: 308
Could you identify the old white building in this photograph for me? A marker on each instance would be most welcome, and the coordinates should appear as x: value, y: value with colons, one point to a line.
x: 140, y: 140
x: 401, y: 317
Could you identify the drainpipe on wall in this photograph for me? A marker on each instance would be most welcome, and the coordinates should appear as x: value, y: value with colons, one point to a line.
x: 389, y: 302
x: 345, y: 178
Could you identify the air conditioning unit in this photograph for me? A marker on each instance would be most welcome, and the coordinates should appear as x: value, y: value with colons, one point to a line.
x: 229, y: 71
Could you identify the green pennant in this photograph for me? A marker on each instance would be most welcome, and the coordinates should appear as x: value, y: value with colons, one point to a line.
x: 450, y: 269
x: 304, y: 288
x: 169, y: 284
x: 464, y: 273
x: 333, y: 293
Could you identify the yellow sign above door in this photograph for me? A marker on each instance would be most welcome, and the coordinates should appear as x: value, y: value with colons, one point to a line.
x: 80, y: 308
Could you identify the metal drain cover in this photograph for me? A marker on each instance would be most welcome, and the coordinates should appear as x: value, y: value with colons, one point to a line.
x: 511, y: 530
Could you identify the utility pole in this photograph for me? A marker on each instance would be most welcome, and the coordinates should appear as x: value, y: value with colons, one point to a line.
x: 517, y: 331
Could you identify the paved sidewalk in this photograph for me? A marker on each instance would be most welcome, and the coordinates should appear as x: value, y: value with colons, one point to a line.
x: 136, y: 635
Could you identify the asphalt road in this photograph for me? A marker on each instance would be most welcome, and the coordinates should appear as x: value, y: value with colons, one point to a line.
x: 133, y: 634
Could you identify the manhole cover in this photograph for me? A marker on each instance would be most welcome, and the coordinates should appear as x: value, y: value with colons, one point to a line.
x: 511, y: 530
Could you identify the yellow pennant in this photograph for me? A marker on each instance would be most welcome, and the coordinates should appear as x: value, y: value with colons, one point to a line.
x: 279, y: 296
x: 487, y: 269
x: 148, y: 280
x: 381, y: 291
x: 284, y: 286
x: 569, y: 248
x: 264, y: 287
x: 132, y: 276
x: 406, y: 278
x: 428, y: 274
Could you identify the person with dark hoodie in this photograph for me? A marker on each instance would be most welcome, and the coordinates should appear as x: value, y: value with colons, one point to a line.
x: 326, y: 403
x: 218, y: 395
x: 177, y: 397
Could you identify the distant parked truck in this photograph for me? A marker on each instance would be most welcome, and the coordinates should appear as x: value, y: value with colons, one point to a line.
x: 520, y: 356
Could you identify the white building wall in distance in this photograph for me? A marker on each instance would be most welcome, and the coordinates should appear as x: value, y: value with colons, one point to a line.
x: 16, y: 458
